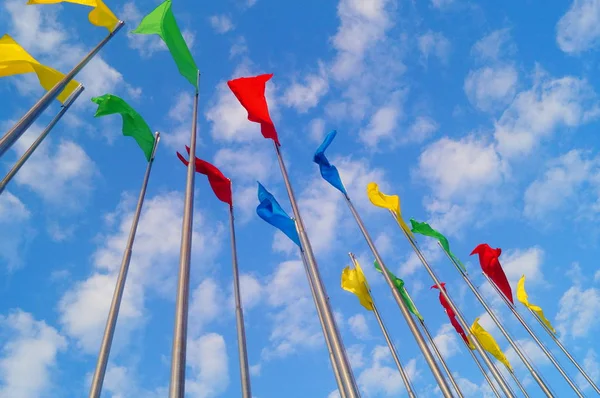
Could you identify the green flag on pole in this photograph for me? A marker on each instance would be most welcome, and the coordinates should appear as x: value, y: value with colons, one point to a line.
x: 399, y: 283
x: 162, y: 22
x: 133, y: 124
x: 425, y: 229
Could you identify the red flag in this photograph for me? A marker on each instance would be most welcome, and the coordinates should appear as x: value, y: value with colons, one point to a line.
x: 452, y: 316
x: 490, y: 264
x: 220, y: 184
x: 250, y: 91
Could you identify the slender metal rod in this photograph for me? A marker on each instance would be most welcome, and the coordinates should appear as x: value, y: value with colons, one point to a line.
x: 535, y: 338
x: 115, y: 306
x: 483, y: 372
x: 63, y: 109
x: 566, y: 352
x: 239, y: 314
x: 518, y: 383
x: 340, y: 358
x: 177, y: 382
x: 36, y: 110
x: 508, y: 337
x: 412, y: 325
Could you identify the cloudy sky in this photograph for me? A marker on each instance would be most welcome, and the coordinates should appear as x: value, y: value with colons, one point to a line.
x: 482, y: 118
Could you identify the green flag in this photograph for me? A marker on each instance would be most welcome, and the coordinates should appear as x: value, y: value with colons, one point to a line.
x: 399, y: 283
x: 425, y: 229
x: 162, y: 22
x: 133, y: 124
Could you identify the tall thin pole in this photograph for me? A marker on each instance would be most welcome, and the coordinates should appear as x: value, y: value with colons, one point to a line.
x: 524, y: 359
x: 412, y: 325
x: 483, y: 372
x: 177, y: 382
x: 63, y: 109
x: 36, y: 110
x: 340, y: 358
x: 565, y: 351
x: 518, y: 383
x: 536, y: 339
x: 113, y: 314
x: 239, y: 314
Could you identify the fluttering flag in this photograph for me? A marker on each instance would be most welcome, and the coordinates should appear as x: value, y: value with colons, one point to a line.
x: 522, y: 297
x: 134, y: 125
x: 425, y: 229
x: 452, y: 316
x: 14, y: 60
x: 488, y: 343
x: 328, y: 171
x: 490, y: 264
x: 270, y: 211
x: 220, y: 184
x: 390, y: 202
x: 162, y: 22
x: 101, y: 15
x: 250, y: 91
x: 399, y: 285
x: 354, y: 281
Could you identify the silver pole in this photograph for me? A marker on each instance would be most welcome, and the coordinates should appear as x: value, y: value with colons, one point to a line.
x: 64, y: 108
x: 412, y: 325
x: 113, y: 314
x: 239, y: 314
x: 525, y: 361
x: 36, y: 110
x: 483, y: 372
x: 518, y: 383
x: 177, y: 382
x: 566, y: 352
x: 535, y: 338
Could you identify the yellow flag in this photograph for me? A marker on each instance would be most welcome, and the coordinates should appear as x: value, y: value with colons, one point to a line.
x: 522, y: 297
x: 101, y: 15
x: 387, y: 202
x: 354, y: 281
x: 488, y: 343
x: 14, y: 60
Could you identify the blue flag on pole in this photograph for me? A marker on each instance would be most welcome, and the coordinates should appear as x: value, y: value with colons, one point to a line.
x: 270, y: 211
x: 328, y: 171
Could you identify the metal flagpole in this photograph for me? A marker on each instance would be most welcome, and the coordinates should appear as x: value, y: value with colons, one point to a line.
x: 412, y: 325
x: 525, y: 361
x: 64, y: 108
x: 346, y: 375
x: 535, y: 338
x: 518, y: 383
x: 113, y: 314
x: 403, y: 374
x: 36, y: 110
x: 565, y: 351
x: 239, y: 313
x: 177, y: 382
x: 483, y: 372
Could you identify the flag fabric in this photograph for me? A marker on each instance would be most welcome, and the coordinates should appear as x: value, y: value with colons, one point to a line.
x: 488, y: 343
x: 101, y: 15
x: 14, y: 60
x: 399, y: 284
x: 354, y: 281
x: 328, y: 171
x: 425, y: 229
x: 250, y: 91
x: 390, y: 202
x: 522, y: 297
x: 162, y: 22
x: 452, y: 316
x: 134, y: 125
x: 220, y: 184
x: 270, y: 211
x: 490, y: 264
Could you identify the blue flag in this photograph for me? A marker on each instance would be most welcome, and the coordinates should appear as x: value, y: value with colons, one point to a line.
x: 328, y: 171
x: 270, y: 211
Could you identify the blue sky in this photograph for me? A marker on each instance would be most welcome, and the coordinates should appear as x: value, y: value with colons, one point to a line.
x: 481, y: 117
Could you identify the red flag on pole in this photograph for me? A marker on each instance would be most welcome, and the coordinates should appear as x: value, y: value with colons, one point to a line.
x: 490, y: 264
x: 452, y: 316
x: 250, y: 91
x: 220, y: 184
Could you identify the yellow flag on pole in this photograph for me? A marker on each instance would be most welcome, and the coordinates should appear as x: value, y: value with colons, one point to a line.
x: 101, y: 15
x: 522, y: 297
x: 14, y: 60
x: 488, y: 343
x: 354, y: 281
x: 390, y: 202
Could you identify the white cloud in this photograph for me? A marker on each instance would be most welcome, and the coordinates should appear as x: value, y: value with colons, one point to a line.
x: 316, y: 129
x: 382, y: 126
x: 592, y: 368
x: 436, y: 44
x: 304, y: 97
x: 494, y: 46
x: 14, y: 230
x: 221, y: 23
x: 446, y: 341
x: 207, y: 303
x: 532, y: 352
x: 246, y: 163
x: 356, y: 355
x: 420, y: 130
x: 181, y: 115
x: 382, y: 380
x: 578, y: 312
x: 334, y: 394
x: 489, y: 88
x: 251, y: 291
x: 441, y: 3
x: 528, y: 262
x: 209, y: 363
x: 359, y: 326
x: 579, y: 29
x: 239, y: 47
